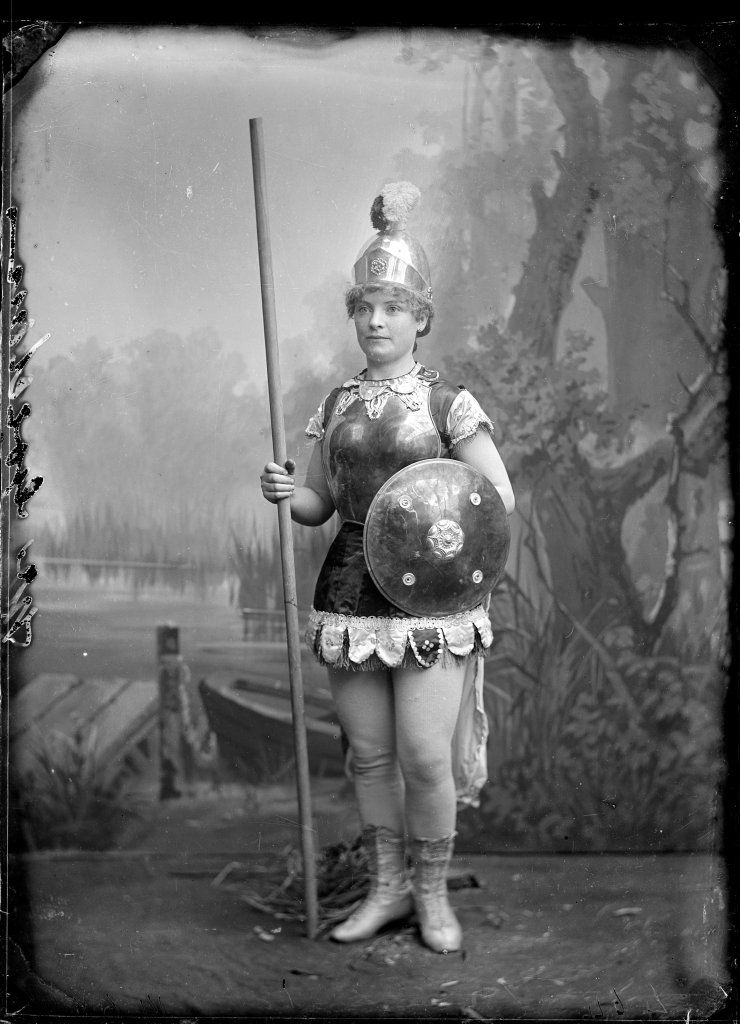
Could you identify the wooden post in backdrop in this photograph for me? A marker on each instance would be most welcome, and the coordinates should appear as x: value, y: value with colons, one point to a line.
x: 168, y: 679
x: 286, y: 529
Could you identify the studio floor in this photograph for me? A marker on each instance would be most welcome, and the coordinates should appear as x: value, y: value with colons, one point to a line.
x: 141, y: 930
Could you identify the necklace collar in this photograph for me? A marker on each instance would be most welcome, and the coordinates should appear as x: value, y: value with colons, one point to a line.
x: 374, y: 394
x: 362, y: 379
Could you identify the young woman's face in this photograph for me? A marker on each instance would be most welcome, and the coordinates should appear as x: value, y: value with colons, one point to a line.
x: 386, y: 327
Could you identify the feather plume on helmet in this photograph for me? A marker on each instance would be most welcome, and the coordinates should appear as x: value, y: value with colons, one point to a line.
x: 390, y: 210
x: 393, y: 256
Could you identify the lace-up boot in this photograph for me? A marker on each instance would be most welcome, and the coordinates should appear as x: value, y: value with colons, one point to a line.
x: 439, y: 927
x: 389, y: 897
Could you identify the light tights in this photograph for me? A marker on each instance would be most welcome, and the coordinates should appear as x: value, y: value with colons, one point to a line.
x: 400, y: 725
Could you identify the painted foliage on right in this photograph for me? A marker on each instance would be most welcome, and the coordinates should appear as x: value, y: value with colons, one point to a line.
x: 605, y: 690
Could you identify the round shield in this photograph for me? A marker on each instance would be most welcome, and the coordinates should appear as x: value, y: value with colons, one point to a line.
x: 436, y: 537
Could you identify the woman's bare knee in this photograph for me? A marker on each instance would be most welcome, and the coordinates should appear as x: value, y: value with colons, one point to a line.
x: 373, y: 760
x: 424, y: 770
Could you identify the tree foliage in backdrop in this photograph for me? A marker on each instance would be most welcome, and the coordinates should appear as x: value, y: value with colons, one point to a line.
x: 593, y: 742
x: 152, y: 462
x: 580, y: 291
x: 617, y: 142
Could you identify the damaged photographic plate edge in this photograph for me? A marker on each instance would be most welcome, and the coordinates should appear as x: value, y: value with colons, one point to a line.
x: 24, y: 45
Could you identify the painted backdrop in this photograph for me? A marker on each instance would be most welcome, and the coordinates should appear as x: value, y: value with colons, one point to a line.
x: 569, y: 209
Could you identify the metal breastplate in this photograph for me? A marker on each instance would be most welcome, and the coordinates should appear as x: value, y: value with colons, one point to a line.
x: 360, y: 453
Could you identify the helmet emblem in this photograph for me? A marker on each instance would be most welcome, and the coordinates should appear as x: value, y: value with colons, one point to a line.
x: 378, y: 266
x: 445, y: 539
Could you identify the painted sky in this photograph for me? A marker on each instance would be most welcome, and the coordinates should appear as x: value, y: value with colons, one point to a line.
x: 133, y: 175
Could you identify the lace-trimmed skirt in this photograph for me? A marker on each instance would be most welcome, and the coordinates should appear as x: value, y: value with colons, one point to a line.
x: 352, y: 626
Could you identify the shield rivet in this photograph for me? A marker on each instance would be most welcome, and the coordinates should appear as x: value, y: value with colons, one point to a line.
x: 475, y: 498
x: 409, y: 579
x: 404, y: 501
x: 477, y: 576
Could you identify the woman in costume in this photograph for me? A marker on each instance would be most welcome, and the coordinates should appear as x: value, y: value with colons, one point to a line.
x: 407, y: 688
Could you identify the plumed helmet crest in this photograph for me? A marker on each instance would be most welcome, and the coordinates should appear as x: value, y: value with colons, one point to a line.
x: 390, y: 209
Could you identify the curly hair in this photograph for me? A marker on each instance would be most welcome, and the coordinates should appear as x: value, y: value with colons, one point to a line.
x: 420, y: 306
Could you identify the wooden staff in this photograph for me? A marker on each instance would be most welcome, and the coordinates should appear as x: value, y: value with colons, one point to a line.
x: 285, y: 528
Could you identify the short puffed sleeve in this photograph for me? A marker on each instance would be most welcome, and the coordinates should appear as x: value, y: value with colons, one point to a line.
x: 465, y: 418
x: 315, y: 426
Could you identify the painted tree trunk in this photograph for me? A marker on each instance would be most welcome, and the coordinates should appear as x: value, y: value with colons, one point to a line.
x: 555, y: 248
x: 581, y: 520
x: 649, y: 349
x: 580, y: 516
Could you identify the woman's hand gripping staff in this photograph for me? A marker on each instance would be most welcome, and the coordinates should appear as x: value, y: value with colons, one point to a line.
x: 310, y: 504
x: 278, y: 482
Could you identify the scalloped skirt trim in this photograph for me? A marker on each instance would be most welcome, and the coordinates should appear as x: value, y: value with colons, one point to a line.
x: 372, y: 643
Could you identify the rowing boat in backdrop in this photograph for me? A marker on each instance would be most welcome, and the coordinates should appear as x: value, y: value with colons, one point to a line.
x: 253, y: 724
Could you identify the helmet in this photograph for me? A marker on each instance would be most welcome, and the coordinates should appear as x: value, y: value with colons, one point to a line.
x: 393, y: 256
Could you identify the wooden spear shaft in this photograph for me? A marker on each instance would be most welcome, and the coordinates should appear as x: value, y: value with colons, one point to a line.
x: 286, y: 529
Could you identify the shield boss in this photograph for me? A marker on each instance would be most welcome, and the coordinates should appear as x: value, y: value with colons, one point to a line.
x: 436, y: 537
